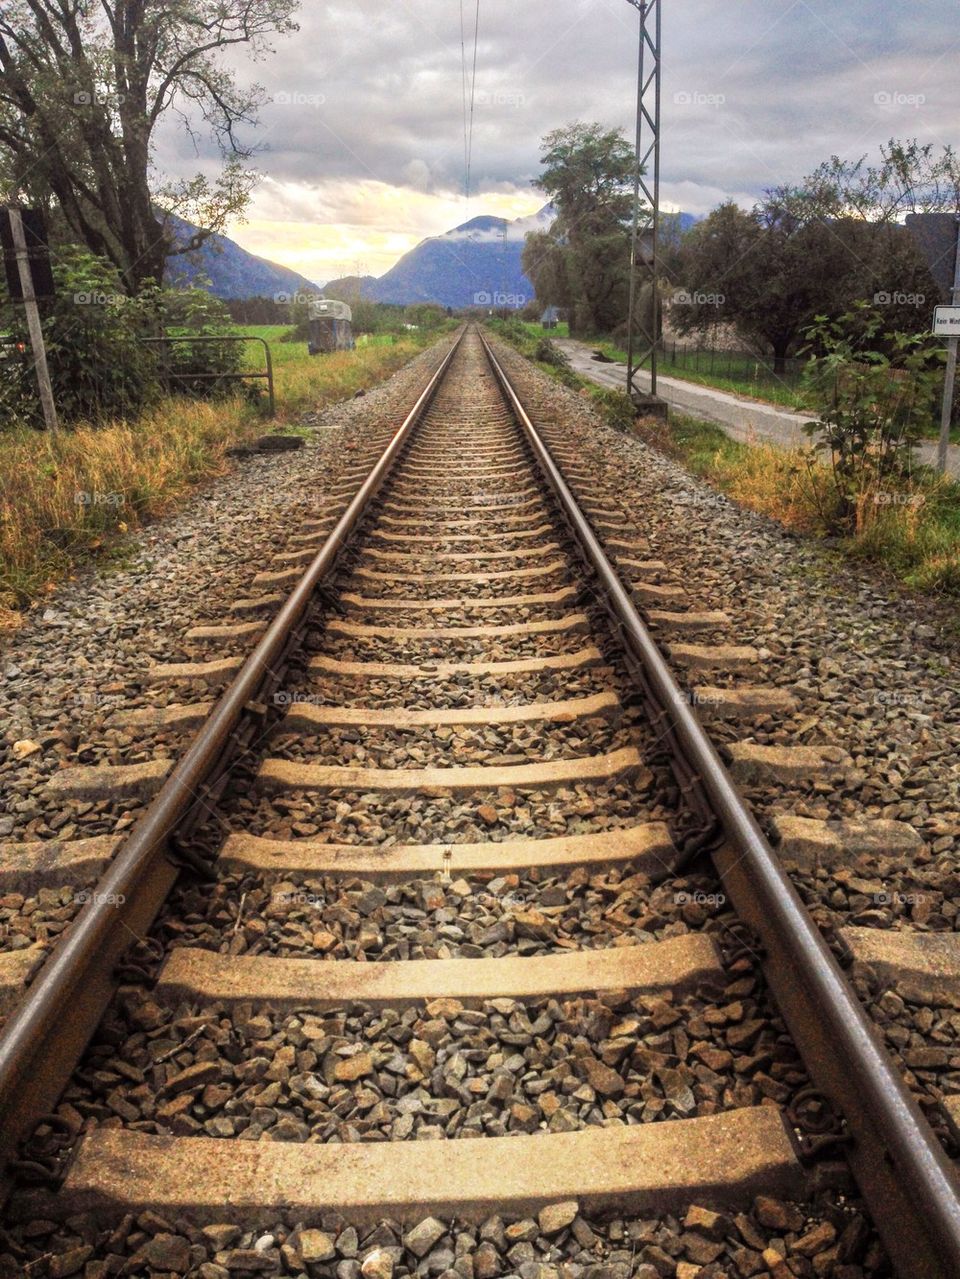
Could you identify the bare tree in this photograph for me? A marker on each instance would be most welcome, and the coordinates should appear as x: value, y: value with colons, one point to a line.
x: 83, y: 87
x: 910, y: 177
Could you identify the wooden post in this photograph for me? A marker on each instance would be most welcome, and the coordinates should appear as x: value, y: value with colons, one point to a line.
x: 33, y: 320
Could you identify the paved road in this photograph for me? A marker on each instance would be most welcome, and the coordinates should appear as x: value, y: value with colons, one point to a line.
x: 742, y: 419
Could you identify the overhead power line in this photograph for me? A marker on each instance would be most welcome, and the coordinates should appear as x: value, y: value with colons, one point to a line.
x: 468, y: 116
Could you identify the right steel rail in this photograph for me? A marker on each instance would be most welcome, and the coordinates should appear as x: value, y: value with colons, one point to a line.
x: 901, y: 1168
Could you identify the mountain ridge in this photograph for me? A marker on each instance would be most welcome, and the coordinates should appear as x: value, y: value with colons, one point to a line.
x: 477, y: 263
x: 233, y: 272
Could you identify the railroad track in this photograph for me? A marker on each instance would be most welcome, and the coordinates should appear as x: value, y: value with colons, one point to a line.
x: 445, y: 845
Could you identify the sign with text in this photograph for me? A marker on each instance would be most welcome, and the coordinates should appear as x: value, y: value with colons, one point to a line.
x: 946, y: 322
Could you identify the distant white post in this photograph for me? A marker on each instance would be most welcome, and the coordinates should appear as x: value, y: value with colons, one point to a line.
x: 33, y: 319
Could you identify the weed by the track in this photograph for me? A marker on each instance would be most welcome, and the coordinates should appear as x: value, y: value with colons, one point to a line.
x: 913, y: 530
x: 67, y: 497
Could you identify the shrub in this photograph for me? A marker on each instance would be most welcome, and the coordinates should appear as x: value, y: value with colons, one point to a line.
x: 100, y: 366
x: 616, y: 406
x: 874, y: 405
x: 189, y: 367
x: 548, y: 352
x: 91, y: 329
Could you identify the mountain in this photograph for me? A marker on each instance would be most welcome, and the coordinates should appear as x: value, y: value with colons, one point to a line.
x: 472, y: 265
x: 475, y: 264
x: 350, y: 287
x: 232, y: 271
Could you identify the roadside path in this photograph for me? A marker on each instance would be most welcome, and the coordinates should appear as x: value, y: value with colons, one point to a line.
x: 742, y: 419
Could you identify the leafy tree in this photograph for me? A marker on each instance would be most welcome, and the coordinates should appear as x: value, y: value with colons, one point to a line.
x: 83, y: 87
x: 910, y: 177
x: 582, y: 262
x: 771, y: 270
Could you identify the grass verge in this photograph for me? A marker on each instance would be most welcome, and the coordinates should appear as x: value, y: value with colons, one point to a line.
x: 912, y: 530
x: 749, y: 378
x: 68, y: 498
x: 752, y: 381
x: 614, y: 406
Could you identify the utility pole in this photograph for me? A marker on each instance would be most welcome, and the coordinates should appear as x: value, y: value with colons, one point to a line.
x: 950, y: 380
x: 648, y: 123
x: 22, y: 254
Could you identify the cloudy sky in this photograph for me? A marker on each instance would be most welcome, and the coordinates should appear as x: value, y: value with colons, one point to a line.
x: 364, y: 139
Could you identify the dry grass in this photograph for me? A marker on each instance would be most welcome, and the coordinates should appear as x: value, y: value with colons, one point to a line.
x: 65, y: 498
x: 303, y: 382
x: 914, y: 531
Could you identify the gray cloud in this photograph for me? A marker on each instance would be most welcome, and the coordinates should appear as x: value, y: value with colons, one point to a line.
x: 756, y: 92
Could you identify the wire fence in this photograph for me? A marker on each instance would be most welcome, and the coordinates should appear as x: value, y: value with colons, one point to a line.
x: 737, y: 366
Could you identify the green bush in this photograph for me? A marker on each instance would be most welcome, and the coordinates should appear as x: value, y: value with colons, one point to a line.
x: 188, y: 366
x: 876, y: 392
x: 100, y: 366
x: 548, y: 352
x: 91, y: 330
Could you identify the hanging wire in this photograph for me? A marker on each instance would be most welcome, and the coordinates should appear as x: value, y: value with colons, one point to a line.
x: 463, y: 95
x: 473, y: 87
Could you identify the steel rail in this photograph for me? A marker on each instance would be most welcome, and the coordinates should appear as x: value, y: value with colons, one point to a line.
x: 906, y: 1179
x: 45, y: 1037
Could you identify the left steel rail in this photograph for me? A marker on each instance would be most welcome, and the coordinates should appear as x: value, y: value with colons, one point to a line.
x: 47, y: 1034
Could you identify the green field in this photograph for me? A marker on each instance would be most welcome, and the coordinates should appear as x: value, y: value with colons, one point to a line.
x: 285, y: 352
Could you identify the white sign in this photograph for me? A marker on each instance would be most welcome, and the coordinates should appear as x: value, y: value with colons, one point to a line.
x: 946, y: 322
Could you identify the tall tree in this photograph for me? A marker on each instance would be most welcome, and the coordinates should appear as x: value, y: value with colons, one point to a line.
x: 581, y: 263
x: 84, y: 85
x: 770, y: 271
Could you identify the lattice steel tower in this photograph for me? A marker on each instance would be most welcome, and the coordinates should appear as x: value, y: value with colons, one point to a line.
x: 645, y: 238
